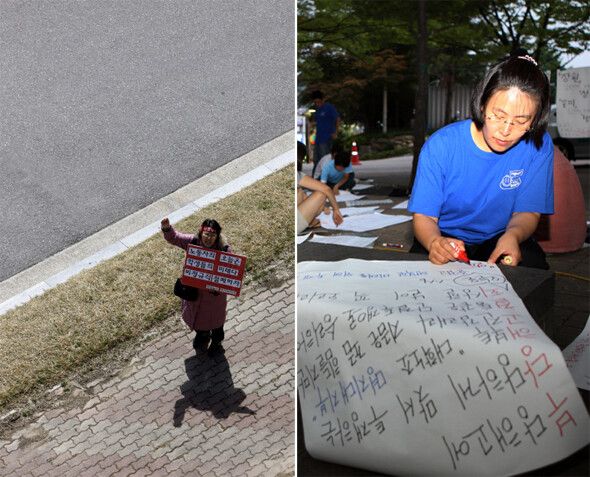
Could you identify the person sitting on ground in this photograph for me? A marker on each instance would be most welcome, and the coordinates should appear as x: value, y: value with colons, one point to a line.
x: 336, y: 148
x: 205, y: 315
x: 338, y: 173
x: 309, y: 207
x: 483, y: 183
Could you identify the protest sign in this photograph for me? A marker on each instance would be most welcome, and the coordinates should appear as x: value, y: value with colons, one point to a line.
x: 411, y: 368
x: 573, y: 102
x: 213, y: 270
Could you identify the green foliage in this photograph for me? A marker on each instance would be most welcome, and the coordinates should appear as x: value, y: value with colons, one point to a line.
x: 353, y: 49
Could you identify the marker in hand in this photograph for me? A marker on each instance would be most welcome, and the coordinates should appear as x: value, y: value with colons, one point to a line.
x: 461, y: 255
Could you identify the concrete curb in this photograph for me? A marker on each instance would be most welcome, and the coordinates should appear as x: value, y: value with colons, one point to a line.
x: 134, y: 229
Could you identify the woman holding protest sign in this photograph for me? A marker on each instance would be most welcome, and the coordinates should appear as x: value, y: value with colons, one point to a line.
x: 483, y: 183
x: 206, y: 314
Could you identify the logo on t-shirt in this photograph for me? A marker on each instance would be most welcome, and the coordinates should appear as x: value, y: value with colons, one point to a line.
x: 511, y: 180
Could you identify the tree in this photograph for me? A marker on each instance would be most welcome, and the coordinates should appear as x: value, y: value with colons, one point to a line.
x: 359, y: 48
x: 421, y: 90
x: 349, y: 34
x: 547, y: 29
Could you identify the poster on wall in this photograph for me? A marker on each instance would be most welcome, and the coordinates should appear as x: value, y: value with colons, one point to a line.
x: 213, y: 270
x: 411, y: 368
x: 573, y: 103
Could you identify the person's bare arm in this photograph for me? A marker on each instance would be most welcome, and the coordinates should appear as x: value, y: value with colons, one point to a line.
x: 336, y: 128
x: 521, y: 226
x: 341, y: 183
x: 315, y: 185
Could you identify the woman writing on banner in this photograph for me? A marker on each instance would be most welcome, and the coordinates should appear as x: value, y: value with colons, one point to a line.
x: 205, y: 315
x: 482, y: 184
x: 309, y: 207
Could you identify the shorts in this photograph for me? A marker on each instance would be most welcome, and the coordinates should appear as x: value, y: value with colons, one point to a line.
x: 302, y: 224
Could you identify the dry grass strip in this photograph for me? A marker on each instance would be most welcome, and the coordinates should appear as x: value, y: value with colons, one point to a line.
x: 121, y: 298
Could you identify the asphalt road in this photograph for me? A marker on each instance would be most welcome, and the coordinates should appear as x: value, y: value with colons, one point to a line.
x: 108, y: 106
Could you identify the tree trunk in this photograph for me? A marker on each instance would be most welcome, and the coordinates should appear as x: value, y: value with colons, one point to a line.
x: 421, y: 91
x: 385, y: 109
x: 450, y: 83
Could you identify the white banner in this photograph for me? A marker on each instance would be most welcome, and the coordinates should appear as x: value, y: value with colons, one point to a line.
x: 573, y: 102
x: 410, y: 368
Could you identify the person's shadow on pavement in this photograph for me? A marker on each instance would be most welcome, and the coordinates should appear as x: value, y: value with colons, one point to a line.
x: 209, y: 388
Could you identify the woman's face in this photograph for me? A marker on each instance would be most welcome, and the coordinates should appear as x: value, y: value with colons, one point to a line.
x: 208, y: 238
x: 508, y: 115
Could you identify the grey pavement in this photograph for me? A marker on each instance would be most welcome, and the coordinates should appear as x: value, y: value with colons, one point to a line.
x: 174, y: 412
x: 131, y: 230
x: 107, y: 106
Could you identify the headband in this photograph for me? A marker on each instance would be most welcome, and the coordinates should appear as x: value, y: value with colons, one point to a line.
x: 205, y: 228
x: 528, y: 58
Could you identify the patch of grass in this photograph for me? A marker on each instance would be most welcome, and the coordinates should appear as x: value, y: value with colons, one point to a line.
x: 123, y: 297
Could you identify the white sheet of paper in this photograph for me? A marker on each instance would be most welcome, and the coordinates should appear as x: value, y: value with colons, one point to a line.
x: 401, y: 205
x: 363, y: 203
x: 364, y: 223
x: 350, y: 211
x: 344, y: 195
x: 358, y: 187
x: 410, y: 368
x: 577, y: 358
x: 348, y: 240
x: 302, y: 238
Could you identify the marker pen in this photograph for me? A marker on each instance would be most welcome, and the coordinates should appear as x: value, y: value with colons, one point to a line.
x: 462, y: 256
x: 396, y: 245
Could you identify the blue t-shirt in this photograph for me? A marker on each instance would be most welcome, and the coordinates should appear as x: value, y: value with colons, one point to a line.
x: 325, y: 118
x: 332, y: 175
x: 474, y: 193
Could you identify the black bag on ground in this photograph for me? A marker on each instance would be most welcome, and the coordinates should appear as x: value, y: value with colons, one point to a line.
x: 184, y: 291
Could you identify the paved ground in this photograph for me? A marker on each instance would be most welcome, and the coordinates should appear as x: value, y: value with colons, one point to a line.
x: 107, y: 106
x: 565, y: 320
x: 128, y: 232
x: 174, y: 412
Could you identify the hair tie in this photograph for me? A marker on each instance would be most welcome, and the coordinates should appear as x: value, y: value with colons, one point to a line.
x: 528, y: 58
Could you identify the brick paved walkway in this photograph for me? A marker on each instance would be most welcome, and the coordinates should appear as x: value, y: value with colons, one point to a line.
x: 173, y: 412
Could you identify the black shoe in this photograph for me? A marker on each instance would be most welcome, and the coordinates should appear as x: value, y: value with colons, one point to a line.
x: 215, y: 348
x: 200, y: 343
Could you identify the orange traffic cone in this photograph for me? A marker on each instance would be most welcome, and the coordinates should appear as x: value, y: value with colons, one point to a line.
x: 354, y: 155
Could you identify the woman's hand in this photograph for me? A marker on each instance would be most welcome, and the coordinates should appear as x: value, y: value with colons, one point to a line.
x: 165, y: 224
x: 508, y: 249
x: 441, y: 250
x: 521, y: 226
x: 337, y: 217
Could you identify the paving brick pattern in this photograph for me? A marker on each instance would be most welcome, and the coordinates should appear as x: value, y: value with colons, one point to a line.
x: 175, y: 412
